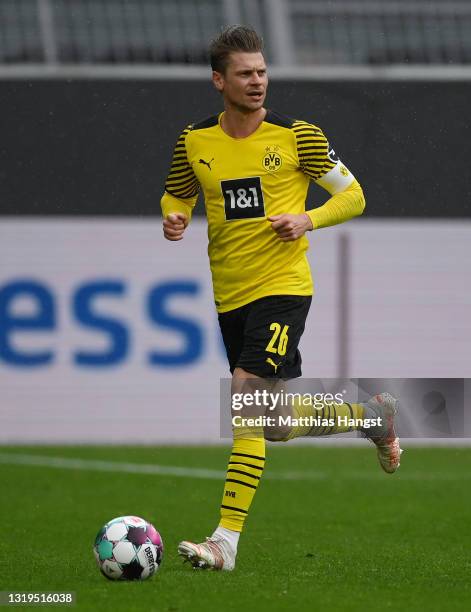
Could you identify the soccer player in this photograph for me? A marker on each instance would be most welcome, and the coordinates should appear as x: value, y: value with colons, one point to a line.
x: 254, y: 166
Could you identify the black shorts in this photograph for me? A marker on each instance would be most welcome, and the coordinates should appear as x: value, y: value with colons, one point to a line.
x: 262, y: 337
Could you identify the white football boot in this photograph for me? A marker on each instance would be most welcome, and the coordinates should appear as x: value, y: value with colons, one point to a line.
x: 384, y: 405
x: 215, y: 553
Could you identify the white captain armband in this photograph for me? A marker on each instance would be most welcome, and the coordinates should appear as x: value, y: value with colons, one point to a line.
x: 337, y: 179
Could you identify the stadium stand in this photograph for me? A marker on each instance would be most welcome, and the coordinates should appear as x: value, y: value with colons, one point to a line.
x: 357, y: 32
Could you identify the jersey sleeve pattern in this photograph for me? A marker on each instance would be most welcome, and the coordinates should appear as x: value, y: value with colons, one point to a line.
x: 181, y: 180
x: 313, y: 150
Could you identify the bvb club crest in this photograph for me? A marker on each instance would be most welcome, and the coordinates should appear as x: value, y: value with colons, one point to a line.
x: 272, y: 159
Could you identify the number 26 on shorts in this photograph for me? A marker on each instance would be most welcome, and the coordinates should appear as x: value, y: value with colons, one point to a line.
x: 280, y: 336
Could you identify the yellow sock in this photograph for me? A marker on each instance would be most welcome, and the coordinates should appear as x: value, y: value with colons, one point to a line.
x: 325, y: 419
x: 245, y: 468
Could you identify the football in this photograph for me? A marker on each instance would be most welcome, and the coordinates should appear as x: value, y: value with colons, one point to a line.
x: 128, y: 548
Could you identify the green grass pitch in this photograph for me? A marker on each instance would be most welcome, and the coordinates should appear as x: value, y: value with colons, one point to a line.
x: 340, y: 535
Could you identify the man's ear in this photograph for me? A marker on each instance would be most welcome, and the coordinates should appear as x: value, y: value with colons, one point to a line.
x: 218, y: 80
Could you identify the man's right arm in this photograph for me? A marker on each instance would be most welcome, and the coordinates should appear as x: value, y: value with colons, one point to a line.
x: 181, y: 192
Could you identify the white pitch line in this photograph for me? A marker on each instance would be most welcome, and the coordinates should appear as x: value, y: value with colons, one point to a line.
x: 108, y: 466
x: 97, y: 465
x: 189, y: 472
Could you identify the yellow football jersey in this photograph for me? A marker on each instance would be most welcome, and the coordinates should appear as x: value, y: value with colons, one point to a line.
x: 244, y: 181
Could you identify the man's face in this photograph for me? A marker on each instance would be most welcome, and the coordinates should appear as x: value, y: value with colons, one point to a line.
x: 244, y: 84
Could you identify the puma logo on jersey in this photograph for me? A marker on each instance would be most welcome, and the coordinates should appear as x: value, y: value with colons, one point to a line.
x: 205, y: 163
x: 272, y: 363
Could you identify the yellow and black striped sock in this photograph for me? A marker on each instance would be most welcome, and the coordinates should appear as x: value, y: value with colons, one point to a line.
x: 331, y: 418
x: 244, y: 471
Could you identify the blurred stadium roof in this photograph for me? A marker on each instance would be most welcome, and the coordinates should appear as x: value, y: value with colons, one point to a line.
x: 300, y: 33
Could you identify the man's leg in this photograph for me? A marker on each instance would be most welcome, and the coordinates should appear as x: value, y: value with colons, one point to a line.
x: 328, y: 418
x: 246, y: 462
x: 244, y: 471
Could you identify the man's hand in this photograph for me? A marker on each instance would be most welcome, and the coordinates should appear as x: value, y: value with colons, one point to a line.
x: 174, y: 226
x: 290, y: 227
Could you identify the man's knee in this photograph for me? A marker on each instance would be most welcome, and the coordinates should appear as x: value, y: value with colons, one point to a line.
x: 280, y: 433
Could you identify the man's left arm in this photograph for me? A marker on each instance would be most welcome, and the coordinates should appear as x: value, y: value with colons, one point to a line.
x: 320, y: 163
x: 346, y: 201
